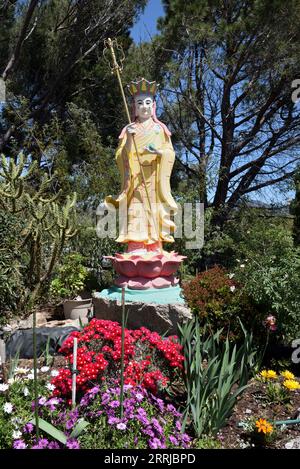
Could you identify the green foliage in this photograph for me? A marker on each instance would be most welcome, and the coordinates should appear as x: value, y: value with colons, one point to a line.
x: 269, y: 269
x: 207, y: 442
x: 219, y: 302
x: 11, y: 263
x: 51, y: 430
x: 88, y: 244
x: 215, y: 375
x: 70, y: 278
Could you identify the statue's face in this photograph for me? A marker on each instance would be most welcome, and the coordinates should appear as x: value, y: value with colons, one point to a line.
x: 143, y: 106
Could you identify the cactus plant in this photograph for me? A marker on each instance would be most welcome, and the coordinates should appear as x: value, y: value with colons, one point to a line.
x: 49, y: 224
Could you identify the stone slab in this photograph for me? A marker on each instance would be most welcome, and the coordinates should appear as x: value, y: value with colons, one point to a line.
x: 162, y: 318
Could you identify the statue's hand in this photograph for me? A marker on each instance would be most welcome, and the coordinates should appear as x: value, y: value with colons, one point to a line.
x: 153, y: 150
x: 131, y: 129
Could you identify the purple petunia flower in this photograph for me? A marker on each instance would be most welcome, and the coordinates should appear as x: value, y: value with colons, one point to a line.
x: 160, y: 405
x: 113, y: 420
x: 114, y: 404
x: 121, y: 426
x: 28, y: 428
x: 127, y: 387
x: 140, y: 411
x: 105, y: 398
x: 70, y: 424
x: 157, y: 426
x: 53, y: 445
x: 94, y: 390
x: 173, y: 440
x: 42, y: 400
x: 41, y: 444
x: 149, y: 432
x: 155, y: 443
x: 139, y: 396
x: 143, y: 420
x: 72, y: 444
x: 19, y: 444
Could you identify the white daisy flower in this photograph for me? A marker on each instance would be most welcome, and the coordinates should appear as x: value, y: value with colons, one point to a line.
x: 3, y: 387
x: 50, y: 386
x: 8, y: 407
x: 44, y: 369
x: 26, y: 392
x: 16, y: 434
x: 232, y: 288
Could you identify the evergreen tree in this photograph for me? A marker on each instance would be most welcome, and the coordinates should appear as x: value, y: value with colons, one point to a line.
x: 228, y: 68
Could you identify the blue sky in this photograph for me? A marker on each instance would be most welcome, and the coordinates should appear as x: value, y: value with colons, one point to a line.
x: 146, y: 26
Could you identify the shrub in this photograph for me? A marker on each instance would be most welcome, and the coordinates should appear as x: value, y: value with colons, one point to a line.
x: 271, y: 276
x: 150, y: 360
x: 71, y: 276
x: 88, y: 244
x: 219, y: 302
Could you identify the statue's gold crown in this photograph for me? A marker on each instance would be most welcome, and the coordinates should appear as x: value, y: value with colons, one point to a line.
x: 142, y: 86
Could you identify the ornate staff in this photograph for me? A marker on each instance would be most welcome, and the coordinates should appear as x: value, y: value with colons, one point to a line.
x: 117, y: 69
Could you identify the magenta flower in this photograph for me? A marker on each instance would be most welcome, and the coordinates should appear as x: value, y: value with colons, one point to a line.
x: 19, y: 444
x: 121, y: 426
x: 270, y: 323
x: 28, y: 428
x: 72, y: 444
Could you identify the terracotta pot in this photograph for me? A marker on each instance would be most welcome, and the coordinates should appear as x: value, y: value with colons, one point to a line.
x: 74, y: 309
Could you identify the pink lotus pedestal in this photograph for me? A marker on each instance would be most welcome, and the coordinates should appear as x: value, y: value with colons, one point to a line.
x: 144, y: 271
x: 152, y: 293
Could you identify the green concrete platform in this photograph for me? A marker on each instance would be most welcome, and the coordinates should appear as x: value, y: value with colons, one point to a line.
x: 163, y: 296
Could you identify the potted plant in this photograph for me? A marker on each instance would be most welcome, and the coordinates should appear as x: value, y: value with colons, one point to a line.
x: 68, y: 284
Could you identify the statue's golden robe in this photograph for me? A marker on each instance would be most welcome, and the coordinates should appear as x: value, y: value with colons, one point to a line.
x: 141, y: 224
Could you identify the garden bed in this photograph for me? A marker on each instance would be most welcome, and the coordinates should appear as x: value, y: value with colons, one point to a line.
x: 251, y: 404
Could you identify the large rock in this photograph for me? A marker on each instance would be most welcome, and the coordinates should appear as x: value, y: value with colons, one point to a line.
x: 162, y: 318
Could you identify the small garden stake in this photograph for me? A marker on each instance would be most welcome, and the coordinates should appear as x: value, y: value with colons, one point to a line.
x: 122, y: 352
x: 74, y: 373
x: 36, y: 396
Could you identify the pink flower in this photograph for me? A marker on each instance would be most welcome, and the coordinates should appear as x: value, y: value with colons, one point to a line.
x: 270, y: 323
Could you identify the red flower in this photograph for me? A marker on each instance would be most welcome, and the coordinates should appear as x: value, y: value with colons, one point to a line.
x: 100, y: 346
